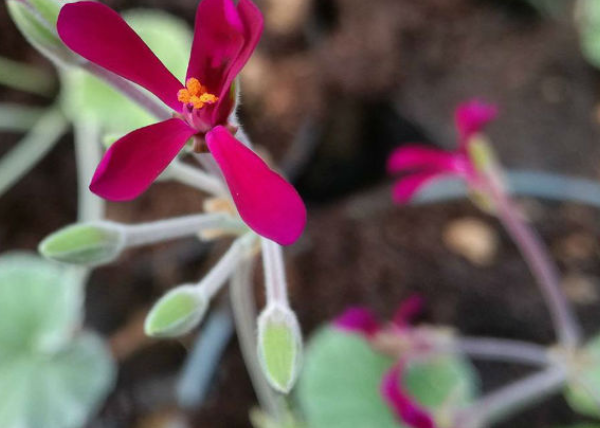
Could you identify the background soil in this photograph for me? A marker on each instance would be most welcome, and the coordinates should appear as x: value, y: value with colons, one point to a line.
x: 335, y: 85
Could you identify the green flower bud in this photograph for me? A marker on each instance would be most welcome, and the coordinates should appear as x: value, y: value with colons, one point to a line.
x: 176, y: 313
x: 279, y: 347
x: 89, y: 244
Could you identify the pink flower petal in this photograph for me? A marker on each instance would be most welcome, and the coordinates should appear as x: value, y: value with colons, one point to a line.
x: 408, y: 310
x: 413, y: 157
x: 407, y: 410
x: 99, y: 34
x: 358, y: 320
x: 253, y: 23
x: 224, y: 39
x: 406, y: 187
x: 132, y: 163
x: 471, y: 117
x: 265, y: 201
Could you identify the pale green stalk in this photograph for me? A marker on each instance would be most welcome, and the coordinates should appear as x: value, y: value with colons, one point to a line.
x: 25, y: 77
x: 18, y: 118
x: 32, y: 148
x: 88, y: 152
x: 244, y: 312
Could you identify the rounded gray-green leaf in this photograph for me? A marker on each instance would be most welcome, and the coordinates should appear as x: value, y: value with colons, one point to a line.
x: 59, y: 390
x: 176, y: 313
x: 339, y: 386
x: 279, y: 347
x: 87, y: 244
x: 40, y: 304
x: 583, y: 391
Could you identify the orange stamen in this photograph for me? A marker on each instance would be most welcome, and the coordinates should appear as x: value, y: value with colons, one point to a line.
x: 196, y: 94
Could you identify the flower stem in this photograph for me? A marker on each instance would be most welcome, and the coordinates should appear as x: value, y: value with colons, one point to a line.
x: 196, y: 178
x: 222, y: 271
x: 275, y: 281
x: 545, y: 272
x: 88, y: 153
x: 32, y: 148
x: 512, y: 351
x: 25, y: 77
x: 244, y: 311
x: 512, y: 397
x: 149, y: 233
x: 14, y: 117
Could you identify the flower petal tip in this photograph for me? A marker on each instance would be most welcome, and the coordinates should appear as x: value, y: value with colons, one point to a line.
x: 264, y: 199
x: 409, y: 310
x: 407, y: 187
x: 132, y: 163
x: 472, y: 116
x: 407, y: 410
x: 358, y: 320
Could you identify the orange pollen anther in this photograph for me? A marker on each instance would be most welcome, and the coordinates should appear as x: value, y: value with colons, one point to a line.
x: 196, y: 94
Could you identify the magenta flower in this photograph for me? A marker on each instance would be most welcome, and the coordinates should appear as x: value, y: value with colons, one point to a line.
x: 404, y: 406
x: 225, y: 37
x: 361, y: 321
x: 358, y: 320
x: 426, y: 164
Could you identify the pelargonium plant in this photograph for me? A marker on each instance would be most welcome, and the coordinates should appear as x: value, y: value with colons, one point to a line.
x: 359, y: 371
x: 247, y: 199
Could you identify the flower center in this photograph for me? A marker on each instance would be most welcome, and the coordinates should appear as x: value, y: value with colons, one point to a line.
x: 195, y: 94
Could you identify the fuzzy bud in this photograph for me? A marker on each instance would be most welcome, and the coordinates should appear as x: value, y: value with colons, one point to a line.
x: 176, y: 313
x: 88, y: 244
x: 279, y: 347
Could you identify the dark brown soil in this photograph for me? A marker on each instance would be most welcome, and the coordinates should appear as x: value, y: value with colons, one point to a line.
x: 342, y: 84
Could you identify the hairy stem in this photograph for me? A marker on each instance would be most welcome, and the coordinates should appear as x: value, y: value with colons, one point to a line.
x: 25, y: 77
x: 274, y: 268
x: 195, y: 177
x: 223, y: 270
x: 32, y: 148
x: 88, y: 153
x: 515, y: 396
x: 544, y: 270
x: 164, y: 230
x: 14, y: 117
x: 511, y: 351
x: 244, y: 310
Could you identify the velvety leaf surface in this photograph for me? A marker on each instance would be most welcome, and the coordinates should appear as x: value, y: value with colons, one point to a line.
x: 339, y: 386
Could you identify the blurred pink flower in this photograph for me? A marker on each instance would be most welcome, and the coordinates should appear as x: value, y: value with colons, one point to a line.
x: 358, y: 320
x: 405, y: 407
x: 225, y: 37
x: 361, y: 321
x: 425, y: 164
